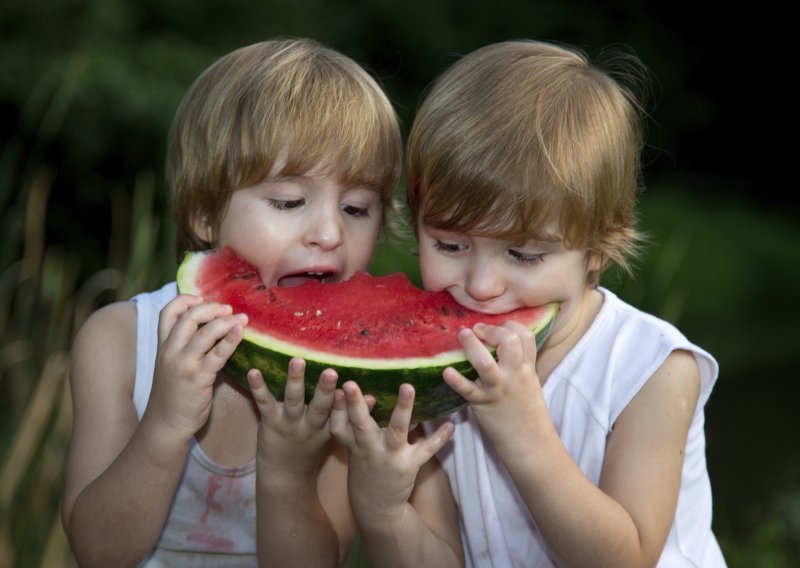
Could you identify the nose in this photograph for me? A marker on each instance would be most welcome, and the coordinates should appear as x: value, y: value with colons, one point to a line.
x: 484, y: 280
x: 325, y: 228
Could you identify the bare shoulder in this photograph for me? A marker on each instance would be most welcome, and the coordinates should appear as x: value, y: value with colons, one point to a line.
x: 115, y: 319
x: 108, y: 336
x: 667, y: 400
x: 676, y: 381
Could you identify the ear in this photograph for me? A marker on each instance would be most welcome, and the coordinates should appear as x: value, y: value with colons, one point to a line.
x: 595, y: 261
x: 203, y: 229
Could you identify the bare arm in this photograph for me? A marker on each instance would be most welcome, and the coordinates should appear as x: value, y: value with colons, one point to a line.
x: 426, y: 535
x: 119, y: 480
x: 303, y: 515
x: 121, y: 474
x: 623, y: 522
x: 400, y: 495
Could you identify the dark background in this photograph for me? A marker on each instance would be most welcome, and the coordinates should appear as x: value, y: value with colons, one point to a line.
x: 88, y: 90
x: 109, y: 75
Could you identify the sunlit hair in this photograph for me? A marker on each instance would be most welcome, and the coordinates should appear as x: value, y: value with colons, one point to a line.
x: 525, y: 139
x: 292, y: 102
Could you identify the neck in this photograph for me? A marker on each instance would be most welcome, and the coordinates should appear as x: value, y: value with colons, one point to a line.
x: 575, y: 321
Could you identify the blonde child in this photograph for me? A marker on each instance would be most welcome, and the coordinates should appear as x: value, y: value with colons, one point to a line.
x: 288, y: 152
x: 522, y: 173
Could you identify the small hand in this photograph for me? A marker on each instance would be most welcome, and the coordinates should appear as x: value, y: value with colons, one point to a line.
x: 294, y: 435
x: 507, y: 392
x: 195, y: 339
x: 383, y: 464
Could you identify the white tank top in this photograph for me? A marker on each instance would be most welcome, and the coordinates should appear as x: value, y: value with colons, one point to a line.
x: 585, y: 395
x: 212, y: 519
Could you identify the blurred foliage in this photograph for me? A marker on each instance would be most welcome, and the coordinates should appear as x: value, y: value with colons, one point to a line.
x: 87, y: 95
x: 91, y: 85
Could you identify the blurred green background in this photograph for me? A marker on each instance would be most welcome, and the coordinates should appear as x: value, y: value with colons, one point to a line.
x: 87, y: 93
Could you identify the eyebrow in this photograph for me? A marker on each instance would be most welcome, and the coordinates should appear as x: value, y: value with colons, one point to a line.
x: 309, y: 181
x: 548, y: 238
x: 292, y: 177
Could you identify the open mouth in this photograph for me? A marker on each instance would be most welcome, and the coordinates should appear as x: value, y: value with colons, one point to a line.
x: 300, y: 278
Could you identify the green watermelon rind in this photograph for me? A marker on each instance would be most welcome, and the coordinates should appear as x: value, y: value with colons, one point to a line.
x: 379, y: 377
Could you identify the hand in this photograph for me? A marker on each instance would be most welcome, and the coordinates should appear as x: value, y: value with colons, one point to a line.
x: 507, y: 394
x: 195, y: 339
x: 383, y: 464
x: 293, y: 437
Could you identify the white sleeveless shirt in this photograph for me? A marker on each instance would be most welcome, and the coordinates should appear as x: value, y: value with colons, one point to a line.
x: 212, y: 520
x: 585, y: 395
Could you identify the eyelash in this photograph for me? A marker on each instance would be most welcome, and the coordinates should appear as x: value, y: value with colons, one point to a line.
x: 354, y: 211
x: 530, y: 259
x: 284, y: 205
x: 447, y: 247
x: 287, y: 205
x: 521, y: 258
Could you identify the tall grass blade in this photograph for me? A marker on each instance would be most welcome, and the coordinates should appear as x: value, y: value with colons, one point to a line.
x: 31, y: 428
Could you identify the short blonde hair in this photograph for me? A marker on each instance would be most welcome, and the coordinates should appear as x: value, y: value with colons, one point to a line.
x: 292, y: 100
x: 523, y: 138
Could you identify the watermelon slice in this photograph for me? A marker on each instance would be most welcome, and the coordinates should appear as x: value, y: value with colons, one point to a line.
x: 378, y: 331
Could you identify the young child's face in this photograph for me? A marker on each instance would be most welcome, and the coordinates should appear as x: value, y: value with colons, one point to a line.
x: 301, y: 227
x: 495, y: 276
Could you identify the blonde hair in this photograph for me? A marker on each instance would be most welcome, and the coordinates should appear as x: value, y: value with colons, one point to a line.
x: 291, y: 100
x: 523, y: 138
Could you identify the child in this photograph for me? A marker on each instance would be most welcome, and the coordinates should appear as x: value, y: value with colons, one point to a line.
x: 288, y: 152
x: 522, y: 174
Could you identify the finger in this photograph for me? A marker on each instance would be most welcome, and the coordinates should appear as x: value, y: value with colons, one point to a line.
x: 364, y: 426
x: 371, y: 402
x: 397, y: 429
x: 491, y: 334
x: 462, y: 386
x: 261, y: 394
x: 294, y: 398
x: 169, y: 314
x: 428, y: 447
x: 222, y: 350
x: 195, y: 320
x: 527, y: 339
x: 478, y: 354
x: 339, y: 422
x: 509, y: 350
x: 319, y: 409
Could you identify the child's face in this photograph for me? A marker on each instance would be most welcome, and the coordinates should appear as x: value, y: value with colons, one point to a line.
x: 495, y: 276
x: 301, y: 227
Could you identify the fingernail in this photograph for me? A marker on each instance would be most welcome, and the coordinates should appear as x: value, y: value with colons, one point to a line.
x: 406, y: 391
x: 242, y: 317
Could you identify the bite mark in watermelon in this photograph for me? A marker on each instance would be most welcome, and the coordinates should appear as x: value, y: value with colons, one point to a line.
x: 378, y: 331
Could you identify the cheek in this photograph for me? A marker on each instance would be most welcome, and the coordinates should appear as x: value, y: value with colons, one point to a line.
x: 433, y: 271
x: 361, y: 241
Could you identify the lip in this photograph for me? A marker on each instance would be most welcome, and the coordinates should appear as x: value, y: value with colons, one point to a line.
x: 324, y: 274
x: 480, y: 307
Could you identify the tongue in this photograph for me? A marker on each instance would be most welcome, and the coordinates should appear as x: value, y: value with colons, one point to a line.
x: 294, y: 280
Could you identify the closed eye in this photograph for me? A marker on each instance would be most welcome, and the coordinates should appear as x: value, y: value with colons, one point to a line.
x: 449, y: 247
x: 284, y: 204
x: 523, y: 258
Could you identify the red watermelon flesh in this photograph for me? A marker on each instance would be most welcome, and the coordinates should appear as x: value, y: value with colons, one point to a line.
x: 378, y: 331
x: 384, y: 317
